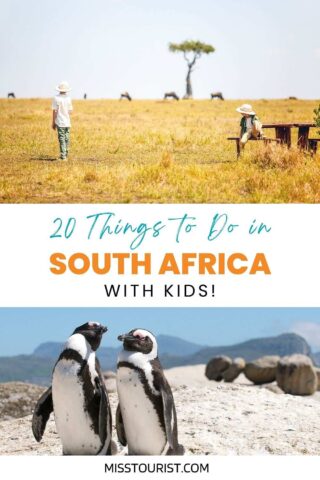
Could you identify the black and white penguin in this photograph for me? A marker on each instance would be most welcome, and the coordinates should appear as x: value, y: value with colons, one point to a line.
x: 78, y: 397
x: 146, y: 417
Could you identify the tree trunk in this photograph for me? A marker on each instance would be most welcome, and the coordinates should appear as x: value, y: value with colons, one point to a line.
x: 188, y: 83
x: 190, y: 64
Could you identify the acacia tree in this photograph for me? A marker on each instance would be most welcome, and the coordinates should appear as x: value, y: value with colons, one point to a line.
x: 192, y: 51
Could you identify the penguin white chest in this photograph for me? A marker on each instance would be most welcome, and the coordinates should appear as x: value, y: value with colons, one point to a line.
x: 72, y: 420
x: 144, y: 433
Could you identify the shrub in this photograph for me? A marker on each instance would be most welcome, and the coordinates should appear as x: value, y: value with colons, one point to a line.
x: 166, y: 159
x: 278, y: 156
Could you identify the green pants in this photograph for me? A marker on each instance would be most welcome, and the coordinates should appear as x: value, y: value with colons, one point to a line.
x: 64, y: 139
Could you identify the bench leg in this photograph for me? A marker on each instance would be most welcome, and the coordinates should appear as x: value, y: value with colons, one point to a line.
x: 284, y: 135
x: 303, y: 134
x: 313, y: 146
x: 238, y: 148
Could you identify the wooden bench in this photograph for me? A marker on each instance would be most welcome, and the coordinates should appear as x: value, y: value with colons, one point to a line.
x: 313, y: 145
x: 264, y: 139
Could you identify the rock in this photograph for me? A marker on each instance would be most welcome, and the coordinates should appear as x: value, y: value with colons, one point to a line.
x: 318, y: 376
x: 108, y: 374
x: 273, y: 388
x: 262, y: 370
x: 216, y: 366
x: 212, y: 419
x: 18, y: 399
x: 237, y: 366
x: 297, y: 375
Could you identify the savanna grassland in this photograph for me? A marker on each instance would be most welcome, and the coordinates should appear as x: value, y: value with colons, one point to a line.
x: 154, y: 152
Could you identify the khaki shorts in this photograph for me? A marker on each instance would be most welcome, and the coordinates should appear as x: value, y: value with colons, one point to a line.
x: 250, y: 133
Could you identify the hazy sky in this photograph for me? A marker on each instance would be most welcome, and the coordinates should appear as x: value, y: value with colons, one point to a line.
x: 22, y: 330
x: 102, y: 47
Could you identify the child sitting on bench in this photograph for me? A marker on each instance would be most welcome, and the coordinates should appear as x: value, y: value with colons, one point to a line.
x: 250, y: 126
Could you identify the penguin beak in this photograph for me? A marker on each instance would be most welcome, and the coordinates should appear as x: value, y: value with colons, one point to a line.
x: 127, y: 337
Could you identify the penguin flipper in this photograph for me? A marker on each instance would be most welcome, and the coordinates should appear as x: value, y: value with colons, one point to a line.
x: 170, y: 421
x: 41, y: 414
x: 103, y: 415
x: 104, y: 410
x: 169, y: 415
x: 120, y: 427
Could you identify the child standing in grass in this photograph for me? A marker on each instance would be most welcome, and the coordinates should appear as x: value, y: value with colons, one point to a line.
x: 250, y: 126
x: 61, y: 109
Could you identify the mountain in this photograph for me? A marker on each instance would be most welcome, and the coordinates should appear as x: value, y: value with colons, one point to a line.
x: 48, y: 350
x: 285, y: 344
x: 174, y: 351
x: 37, y: 367
x: 176, y: 346
x: 167, y: 345
x: 26, y: 368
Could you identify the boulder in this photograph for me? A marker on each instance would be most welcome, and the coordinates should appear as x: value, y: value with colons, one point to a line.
x: 262, y: 370
x: 317, y: 369
x: 232, y: 372
x: 216, y: 366
x: 297, y: 375
x: 18, y: 399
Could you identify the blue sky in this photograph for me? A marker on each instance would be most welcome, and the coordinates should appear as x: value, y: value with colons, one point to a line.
x: 263, y: 49
x: 23, y: 329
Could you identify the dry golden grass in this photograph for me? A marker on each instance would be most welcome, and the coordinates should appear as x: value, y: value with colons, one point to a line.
x: 152, y: 151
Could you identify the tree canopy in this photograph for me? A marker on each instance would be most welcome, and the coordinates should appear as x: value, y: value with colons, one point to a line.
x: 192, y: 46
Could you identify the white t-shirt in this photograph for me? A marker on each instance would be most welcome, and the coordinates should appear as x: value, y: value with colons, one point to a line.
x: 249, y: 123
x: 62, y: 104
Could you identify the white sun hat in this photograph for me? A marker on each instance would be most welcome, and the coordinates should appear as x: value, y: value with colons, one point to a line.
x: 246, y: 108
x: 63, y: 87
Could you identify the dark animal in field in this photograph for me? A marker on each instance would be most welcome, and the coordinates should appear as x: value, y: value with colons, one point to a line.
x: 125, y: 95
x: 11, y: 95
x: 292, y: 98
x: 85, y: 96
x: 216, y: 95
x: 171, y: 95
